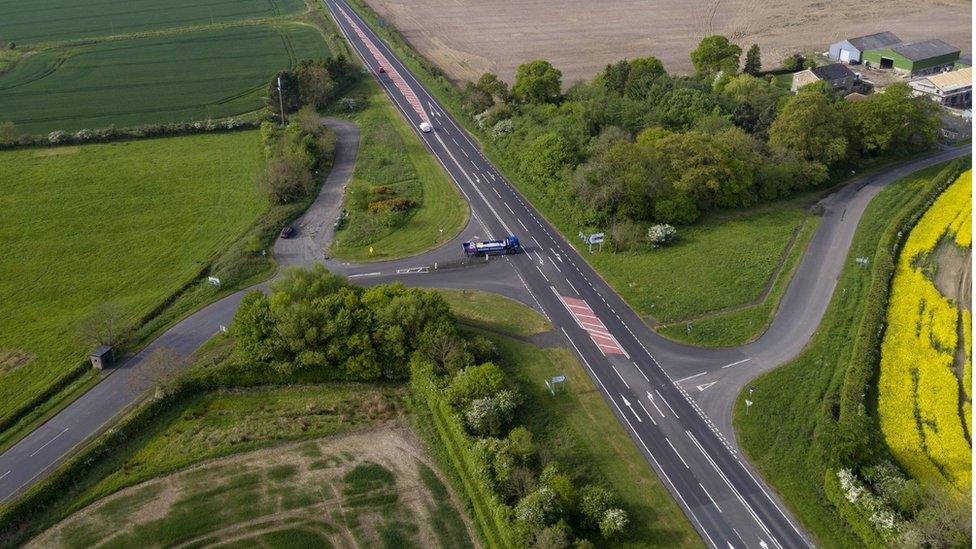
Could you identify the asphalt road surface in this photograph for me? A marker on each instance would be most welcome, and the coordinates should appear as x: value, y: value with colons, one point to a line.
x: 674, y: 400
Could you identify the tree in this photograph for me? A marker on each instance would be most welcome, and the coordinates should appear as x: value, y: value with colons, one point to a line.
x: 159, y: 371
x: 642, y: 73
x: 494, y: 87
x: 752, y: 101
x: 715, y: 53
x: 544, y: 157
x: 103, y: 325
x: 792, y: 62
x: 681, y: 107
x: 285, y: 180
x: 474, y: 382
x: 486, y: 416
x: 613, y: 522
x: 315, y: 84
x: 810, y: 125
x: 537, y: 82
x: 894, y: 120
x: 753, y: 61
x: 594, y: 501
x: 290, y: 98
x: 538, y: 509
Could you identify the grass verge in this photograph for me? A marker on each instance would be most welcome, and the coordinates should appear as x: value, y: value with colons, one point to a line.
x: 740, y: 326
x: 392, y: 164
x: 494, y: 312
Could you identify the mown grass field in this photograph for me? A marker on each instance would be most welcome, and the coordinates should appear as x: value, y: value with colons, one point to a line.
x: 494, y: 312
x: 129, y: 222
x: 365, y: 489
x: 778, y: 430
x: 715, y: 264
x: 200, y: 75
x: 741, y: 326
x: 578, y: 429
x: 392, y: 163
x: 58, y: 20
x: 920, y: 398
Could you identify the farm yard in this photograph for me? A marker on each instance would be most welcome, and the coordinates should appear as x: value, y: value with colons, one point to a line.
x: 371, y: 488
x: 130, y: 222
x: 200, y: 75
x: 466, y: 38
x: 925, y: 415
x: 60, y: 20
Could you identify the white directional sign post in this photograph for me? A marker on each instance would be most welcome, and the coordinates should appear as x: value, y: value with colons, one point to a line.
x: 214, y: 281
x: 596, y: 238
x: 554, y: 383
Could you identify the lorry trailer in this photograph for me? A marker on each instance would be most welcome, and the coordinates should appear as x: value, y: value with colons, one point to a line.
x: 510, y: 245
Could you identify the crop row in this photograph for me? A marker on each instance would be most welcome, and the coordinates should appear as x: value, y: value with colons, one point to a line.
x: 919, y: 397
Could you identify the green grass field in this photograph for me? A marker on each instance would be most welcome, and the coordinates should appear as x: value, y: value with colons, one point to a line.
x: 58, y: 20
x: 130, y: 222
x: 494, y: 312
x: 577, y: 428
x: 392, y: 158
x: 743, y: 325
x: 715, y: 264
x: 190, y: 76
x: 778, y: 430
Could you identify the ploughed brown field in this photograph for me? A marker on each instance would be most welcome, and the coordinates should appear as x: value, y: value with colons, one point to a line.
x: 469, y: 37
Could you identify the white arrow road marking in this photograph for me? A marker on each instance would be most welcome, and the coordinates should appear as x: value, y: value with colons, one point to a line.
x: 627, y: 404
x: 651, y: 398
x: 704, y: 386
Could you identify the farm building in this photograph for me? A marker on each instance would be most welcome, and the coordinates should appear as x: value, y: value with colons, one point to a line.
x: 837, y: 75
x: 951, y: 89
x: 913, y: 58
x: 850, y: 50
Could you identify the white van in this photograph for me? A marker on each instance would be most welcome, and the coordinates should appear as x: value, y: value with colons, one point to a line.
x: 426, y: 127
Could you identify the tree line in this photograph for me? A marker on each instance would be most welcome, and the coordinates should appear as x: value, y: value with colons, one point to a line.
x: 636, y: 146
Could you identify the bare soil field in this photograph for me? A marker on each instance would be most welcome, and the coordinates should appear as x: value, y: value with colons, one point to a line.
x: 469, y: 37
x: 364, y: 489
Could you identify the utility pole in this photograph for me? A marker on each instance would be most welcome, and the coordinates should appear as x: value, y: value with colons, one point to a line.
x: 281, y: 103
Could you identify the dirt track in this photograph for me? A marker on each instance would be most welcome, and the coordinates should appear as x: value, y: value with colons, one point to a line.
x: 468, y: 37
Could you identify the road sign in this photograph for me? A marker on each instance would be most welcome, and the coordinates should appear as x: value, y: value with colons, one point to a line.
x: 554, y: 382
x: 214, y: 281
x: 596, y: 238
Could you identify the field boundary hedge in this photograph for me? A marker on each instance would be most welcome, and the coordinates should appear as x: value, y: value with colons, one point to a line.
x: 491, y: 516
x: 111, y: 134
x: 855, y: 517
x: 857, y: 391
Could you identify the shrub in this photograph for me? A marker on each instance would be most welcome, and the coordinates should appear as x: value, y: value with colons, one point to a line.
x: 474, y: 382
x: 594, y: 501
x: 390, y: 205
x: 613, y: 522
x: 487, y: 416
x: 679, y: 209
x: 661, y: 235
x: 538, y: 509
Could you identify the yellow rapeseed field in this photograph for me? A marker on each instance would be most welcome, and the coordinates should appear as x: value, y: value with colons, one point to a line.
x: 919, y: 393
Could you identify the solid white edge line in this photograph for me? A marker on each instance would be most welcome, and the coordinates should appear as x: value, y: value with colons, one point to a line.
x: 710, y: 498
x: 649, y: 416
x: 685, y: 463
x: 666, y: 403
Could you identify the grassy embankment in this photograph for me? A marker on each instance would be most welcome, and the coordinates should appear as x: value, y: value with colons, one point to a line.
x: 393, y: 164
x: 130, y: 223
x: 778, y: 430
x: 576, y: 427
x: 721, y: 263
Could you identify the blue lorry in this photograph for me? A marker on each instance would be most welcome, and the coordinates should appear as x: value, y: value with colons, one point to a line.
x: 510, y: 245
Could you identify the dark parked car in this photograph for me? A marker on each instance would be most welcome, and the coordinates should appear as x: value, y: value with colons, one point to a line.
x: 340, y: 220
x: 382, y: 69
x: 287, y: 231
